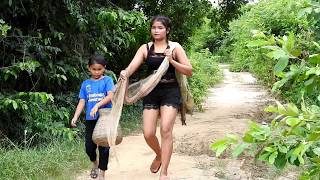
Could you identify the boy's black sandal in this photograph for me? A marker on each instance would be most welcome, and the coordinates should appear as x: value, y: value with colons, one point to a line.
x: 94, y: 173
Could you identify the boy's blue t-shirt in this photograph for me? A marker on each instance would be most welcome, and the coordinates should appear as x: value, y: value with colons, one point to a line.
x: 93, y: 91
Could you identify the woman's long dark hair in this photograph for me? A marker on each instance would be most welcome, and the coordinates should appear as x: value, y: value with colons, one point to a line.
x: 165, y: 21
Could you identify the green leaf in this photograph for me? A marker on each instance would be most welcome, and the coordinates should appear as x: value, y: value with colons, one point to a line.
x: 43, y: 98
x: 289, y: 44
x: 239, y: 149
x: 292, y: 110
x: 281, y: 109
x: 283, y: 149
x: 304, y: 11
x: 64, y: 77
x: 281, y: 64
x: 14, y: 104
x: 277, y: 54
x: 264, y: 156
x: 60, y: 114
x: 293, y: 121
x: 272, y: 157
x: 316, y: 151
x: 296, y: 52
x: 281, y: 161
x: 301, y: 160
x: 308, y: 82
x: 24, y: 107
x: 315, y: 136
x: 317, y: 45
x: 269, y: 149
x: 258, y: 34
x: 271, y: 108
x: 248, y: 138
x: 220, y: 150
x: 217, y: 144
x: 314, y: 59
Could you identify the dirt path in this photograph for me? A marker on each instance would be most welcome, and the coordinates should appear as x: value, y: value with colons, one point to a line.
x: 228, y: 107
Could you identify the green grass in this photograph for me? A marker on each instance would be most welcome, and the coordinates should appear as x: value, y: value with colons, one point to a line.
x: 59, y: 160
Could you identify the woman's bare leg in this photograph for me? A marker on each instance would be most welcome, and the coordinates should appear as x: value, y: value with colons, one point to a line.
x: 168, y: 116
x: 150, y: 117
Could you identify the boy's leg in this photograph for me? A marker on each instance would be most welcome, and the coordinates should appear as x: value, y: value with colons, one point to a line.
x: 103, y: 160
x: 91, y: 147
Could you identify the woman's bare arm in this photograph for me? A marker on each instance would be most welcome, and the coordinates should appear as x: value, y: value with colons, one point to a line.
x: 137, y: 60
x: 182, y: 64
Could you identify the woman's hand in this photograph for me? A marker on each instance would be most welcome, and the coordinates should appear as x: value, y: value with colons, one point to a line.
x: 123, y: 74
x: 168, y: 53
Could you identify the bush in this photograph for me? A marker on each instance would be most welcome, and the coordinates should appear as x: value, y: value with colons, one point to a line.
x: 206, y: 73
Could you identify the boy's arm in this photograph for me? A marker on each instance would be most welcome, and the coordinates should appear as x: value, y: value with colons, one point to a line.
x: 79, y: 109
x: 104, y: 101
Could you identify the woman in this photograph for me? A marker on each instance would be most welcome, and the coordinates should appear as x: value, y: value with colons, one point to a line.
x: 165, y: 98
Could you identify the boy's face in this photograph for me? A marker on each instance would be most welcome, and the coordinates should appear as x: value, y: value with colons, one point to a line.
x: 96, y: 70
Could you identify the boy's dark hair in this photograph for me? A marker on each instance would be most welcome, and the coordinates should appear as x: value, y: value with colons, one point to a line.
x: 164, y: 20
x: 97, y: 59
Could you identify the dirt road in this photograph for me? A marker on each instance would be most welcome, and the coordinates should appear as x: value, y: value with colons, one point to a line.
x: 227, y: 108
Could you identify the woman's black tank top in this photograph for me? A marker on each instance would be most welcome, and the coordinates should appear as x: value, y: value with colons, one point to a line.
x: 154, y: 60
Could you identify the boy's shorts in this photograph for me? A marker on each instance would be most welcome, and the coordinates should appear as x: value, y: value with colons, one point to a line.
x: 163, y: 94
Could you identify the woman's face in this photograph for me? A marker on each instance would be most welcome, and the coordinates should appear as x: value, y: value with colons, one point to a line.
x: 158, y: 31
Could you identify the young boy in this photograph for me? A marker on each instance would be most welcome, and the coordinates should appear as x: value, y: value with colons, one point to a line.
x: 95, y: 93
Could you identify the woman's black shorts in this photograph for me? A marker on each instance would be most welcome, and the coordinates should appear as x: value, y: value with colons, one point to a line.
x: 163, y: 94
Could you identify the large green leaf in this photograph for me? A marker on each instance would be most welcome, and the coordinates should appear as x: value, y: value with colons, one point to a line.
x: 280, y: 161
x: 292, y: 110
x: 293, y: 121
x: 277, y: 54
x: 281, y: 64
x: 239, y: 149
x: 289, y: 43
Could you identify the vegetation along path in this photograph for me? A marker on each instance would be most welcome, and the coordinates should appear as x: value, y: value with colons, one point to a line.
x: 228, y: 107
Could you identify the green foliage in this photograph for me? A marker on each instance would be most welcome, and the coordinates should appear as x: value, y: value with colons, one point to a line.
x: 302, y: 78
x: 271, y: 17
x: 292, y: 137
x: 186, y: 16
x: 38, y: 116
x: 45, y: 46
x: 220, y: 17
x: 206, y: 73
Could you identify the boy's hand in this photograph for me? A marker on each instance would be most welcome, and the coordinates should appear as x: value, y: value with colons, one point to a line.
x: 73, y: 123
x: 94, y: 110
